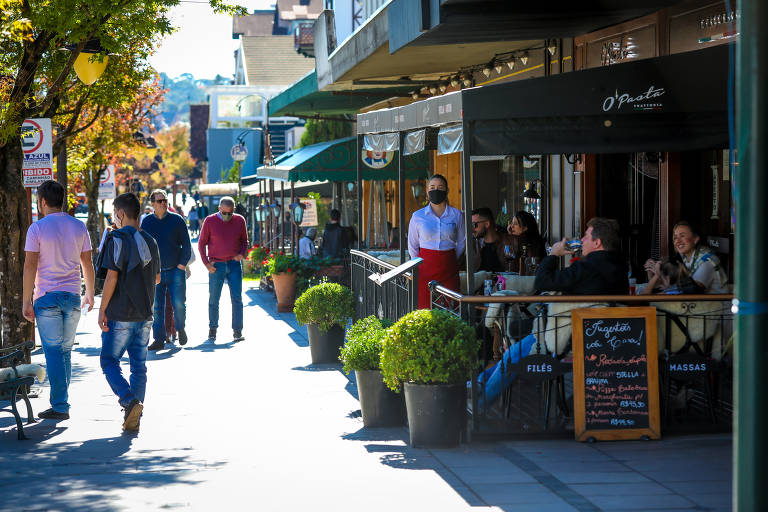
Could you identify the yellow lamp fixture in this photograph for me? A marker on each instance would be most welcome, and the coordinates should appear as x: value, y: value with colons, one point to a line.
x: 91, y: 63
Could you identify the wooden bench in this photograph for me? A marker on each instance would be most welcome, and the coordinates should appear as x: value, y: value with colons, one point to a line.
x: 9, y: 390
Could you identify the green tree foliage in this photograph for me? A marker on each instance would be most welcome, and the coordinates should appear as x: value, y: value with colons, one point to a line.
x: 37, y: 81
x: 324, y: 131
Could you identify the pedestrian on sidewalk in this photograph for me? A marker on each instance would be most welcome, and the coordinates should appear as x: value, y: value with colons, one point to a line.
x: 223, y: 245
x: 132, y: 260
x: 57, y: 246
x: 170, y: 232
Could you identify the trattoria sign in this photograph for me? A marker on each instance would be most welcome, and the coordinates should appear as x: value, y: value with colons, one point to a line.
x: 648, y: 100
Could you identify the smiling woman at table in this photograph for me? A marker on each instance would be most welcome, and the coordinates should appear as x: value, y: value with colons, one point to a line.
x: 436, y: 234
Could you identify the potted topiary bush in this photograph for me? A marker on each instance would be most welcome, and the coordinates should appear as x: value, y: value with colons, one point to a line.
x: 431, y: 353
x: 381, y: 407
x: 325, y: 309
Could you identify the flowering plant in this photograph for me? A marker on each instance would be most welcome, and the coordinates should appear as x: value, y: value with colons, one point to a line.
x: 257, y: 254
x: 278, y: 263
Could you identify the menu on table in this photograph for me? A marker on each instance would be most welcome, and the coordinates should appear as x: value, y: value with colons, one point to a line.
x: 615, y: 373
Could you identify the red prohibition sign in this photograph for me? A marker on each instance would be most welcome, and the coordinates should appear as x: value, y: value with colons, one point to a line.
x: 107, y: 175
x: 40, y: 131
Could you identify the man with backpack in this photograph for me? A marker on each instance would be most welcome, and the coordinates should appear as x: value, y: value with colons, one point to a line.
x: 132, y: 261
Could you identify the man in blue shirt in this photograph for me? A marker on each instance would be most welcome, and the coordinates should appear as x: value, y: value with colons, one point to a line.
x: 170, y: 232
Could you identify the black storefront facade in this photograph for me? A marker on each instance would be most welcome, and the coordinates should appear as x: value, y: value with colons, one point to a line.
x: 654, y: 111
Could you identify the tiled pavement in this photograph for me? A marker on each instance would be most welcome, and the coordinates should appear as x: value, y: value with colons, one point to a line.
x: 253, y: 424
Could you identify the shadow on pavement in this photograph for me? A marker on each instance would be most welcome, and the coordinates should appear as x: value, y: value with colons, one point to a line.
x: 378, y: 434
x: 299, y: 339
x: 210, y: 346
x: 159, y: 355
x: 55, y: 477
x: 36, y: 432
x: 333, y: 367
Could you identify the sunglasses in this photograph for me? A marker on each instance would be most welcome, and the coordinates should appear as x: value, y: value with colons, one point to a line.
x: 160, y: 201
x: 226, y: 214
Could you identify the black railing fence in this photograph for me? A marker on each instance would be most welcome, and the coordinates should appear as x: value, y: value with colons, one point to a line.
x: 693, y: 331
x: 390, y: 300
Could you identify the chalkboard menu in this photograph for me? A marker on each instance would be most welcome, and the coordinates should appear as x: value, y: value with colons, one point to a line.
x: 615, y: 373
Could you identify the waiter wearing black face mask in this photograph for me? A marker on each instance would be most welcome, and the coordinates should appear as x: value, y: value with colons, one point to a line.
x: 436, y: 234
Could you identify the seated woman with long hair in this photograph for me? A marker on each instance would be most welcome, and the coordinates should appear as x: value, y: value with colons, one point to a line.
x: 527, y: 242
x: 701, y: 271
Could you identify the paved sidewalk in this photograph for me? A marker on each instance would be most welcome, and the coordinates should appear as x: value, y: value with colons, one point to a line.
x: 253, y: 424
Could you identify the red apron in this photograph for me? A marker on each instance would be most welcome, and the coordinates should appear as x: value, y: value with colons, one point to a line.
x: 440, y: 266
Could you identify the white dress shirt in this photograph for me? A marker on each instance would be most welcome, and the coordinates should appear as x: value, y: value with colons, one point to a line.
x: 427, y: 230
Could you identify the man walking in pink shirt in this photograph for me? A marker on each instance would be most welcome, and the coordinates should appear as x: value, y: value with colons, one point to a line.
x: 223, y: 244
x: 57, y: 246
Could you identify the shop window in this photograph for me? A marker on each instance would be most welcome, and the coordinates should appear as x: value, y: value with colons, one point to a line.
x: 520, y: 178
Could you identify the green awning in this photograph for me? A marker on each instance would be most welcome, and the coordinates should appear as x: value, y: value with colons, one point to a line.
x: 335, y: 161
x: 303, y: 99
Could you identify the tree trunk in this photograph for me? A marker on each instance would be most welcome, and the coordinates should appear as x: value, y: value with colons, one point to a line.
x: 94, y: 222
x: 14, y: 221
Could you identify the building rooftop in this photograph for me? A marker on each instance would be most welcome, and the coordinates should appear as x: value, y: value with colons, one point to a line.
x: 259, y: 23
x: 272, y: 60
x: 291, y: 10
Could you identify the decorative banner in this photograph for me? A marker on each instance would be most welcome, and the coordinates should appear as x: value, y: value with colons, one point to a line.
x: 310, y: 213
x: 377, y: 159
x: 36, y: 142
x: 107, y: 184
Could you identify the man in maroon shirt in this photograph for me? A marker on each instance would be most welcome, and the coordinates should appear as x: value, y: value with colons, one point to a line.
x: 223, y: 244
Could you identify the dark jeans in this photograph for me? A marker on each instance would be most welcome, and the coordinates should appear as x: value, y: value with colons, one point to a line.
x: 232, y: 272
x: 175, y: 281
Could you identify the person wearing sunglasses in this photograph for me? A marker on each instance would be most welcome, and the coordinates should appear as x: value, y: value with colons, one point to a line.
x: 223, y: 244
x: 170, y: 232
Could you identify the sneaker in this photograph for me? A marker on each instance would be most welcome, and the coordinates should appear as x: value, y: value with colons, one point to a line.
x: 238, y: 335
x: 133, y: 415
x: 157, y: 345
x: 182, y: 337
x: 212, y: 333
x: 50, y: 414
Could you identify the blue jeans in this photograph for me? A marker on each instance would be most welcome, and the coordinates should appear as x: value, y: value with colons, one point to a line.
x: 121, y: 337
x: 57, y: 315
x: 232, y: 272
x: 175, y: 281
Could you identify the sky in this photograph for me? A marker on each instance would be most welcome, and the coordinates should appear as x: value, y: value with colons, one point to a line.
x: 203, y: 43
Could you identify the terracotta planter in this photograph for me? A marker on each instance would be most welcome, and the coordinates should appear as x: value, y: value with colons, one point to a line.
x: 285, y: 290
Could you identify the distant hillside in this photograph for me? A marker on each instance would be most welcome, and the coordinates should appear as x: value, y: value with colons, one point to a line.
x: 182, y: 91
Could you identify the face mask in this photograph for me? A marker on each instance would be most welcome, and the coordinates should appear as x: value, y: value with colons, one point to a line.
x: 437, y: 196
x: 119, y: 220
x: 226, y: 216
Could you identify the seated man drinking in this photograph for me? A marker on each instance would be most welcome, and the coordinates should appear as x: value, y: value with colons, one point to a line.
x: 602, y: 270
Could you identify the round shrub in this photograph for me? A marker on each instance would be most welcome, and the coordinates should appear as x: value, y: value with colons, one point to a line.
x: 428, y: 347
x: 362, y: 349
x: 325, y: 305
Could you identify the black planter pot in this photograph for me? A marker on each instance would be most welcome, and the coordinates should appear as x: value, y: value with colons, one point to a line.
x: 436, y: 414
x: 381, y: 406
x: 325, y: 346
